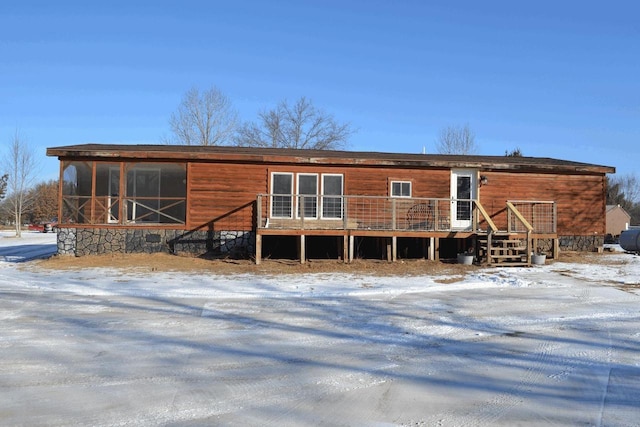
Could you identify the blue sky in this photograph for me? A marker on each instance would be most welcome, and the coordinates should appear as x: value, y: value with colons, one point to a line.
x: 555, y: 78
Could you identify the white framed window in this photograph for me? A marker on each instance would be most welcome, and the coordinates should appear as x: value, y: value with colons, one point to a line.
x: 400, y: 188
x: 332, y: 191
x: 307, y: 205
x: 282, y: 195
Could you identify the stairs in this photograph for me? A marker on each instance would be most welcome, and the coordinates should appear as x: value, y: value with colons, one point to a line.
x: 505, y: 249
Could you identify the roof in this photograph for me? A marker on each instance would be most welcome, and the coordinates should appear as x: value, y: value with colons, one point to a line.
x: 330, y: 157
x: 618, y: 207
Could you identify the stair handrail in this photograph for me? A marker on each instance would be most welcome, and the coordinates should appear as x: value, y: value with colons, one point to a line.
x: 519, y: 215
x: 486, y: 216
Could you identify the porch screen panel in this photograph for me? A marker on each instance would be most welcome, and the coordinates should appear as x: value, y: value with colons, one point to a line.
x: 332, y: 196
x: 77, y: 182
x: 463, y: 209
x: 156, y: 193
x: 107, y: 199
x: 282, y: 189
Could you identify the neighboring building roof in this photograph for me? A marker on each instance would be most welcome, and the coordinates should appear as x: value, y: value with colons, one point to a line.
x: 617, y: 207
x: 362, y: 158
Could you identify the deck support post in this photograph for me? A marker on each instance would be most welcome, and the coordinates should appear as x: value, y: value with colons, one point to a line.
x: 489, y: 246
x: 351, y: 247
x: 258, y: 248
x: 388, y: 247
x: 345, y: 248
x: 394, y: 248
x: 301, y: 248
x: 436, y: 249
x: 432, y: 249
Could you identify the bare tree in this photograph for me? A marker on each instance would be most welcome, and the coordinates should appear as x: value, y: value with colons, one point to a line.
x: 21, y: 164
x: 300, y: 125
x: 3, y: 185
x: 516, y: 152
x: 456, y: 140
x: 206, y: 118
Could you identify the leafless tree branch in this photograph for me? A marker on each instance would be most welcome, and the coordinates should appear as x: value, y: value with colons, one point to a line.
x: 206, y: 118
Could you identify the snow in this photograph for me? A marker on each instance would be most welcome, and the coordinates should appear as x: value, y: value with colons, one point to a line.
x: 549, y: 345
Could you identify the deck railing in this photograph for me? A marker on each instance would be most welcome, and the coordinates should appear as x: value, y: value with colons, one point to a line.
x: 299, y: 212
x: 540, y: 215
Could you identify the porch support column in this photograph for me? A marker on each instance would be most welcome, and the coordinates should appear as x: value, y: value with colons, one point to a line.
x: 436, y: 249
x: 301, y: 249
x: 258, y: 248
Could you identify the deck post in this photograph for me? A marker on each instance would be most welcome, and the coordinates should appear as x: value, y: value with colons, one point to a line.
x: 345, y: 248
x: 388, y: 245
x: 351, y: 247
x: 556, y: 248
x: 489, y: 246
x: 301, y: 248
x: 436, y: 249
x: 258, y: 248
x: 432, y: 246
x: 394, y: 248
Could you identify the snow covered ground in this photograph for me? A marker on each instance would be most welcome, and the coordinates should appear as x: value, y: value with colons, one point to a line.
x: 551, y: 345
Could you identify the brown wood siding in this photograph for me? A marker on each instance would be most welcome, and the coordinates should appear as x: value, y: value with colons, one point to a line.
x: 580, y: 198
x: 375, y: 182
x: 225, y: 194
x: 222, y: 196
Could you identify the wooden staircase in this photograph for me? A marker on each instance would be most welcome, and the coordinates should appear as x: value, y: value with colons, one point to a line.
x: 505, y: 249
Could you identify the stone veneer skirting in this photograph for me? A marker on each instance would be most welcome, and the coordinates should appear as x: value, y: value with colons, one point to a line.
x: 571, y: 243
x: 96, y: 241
x: 241, y: 244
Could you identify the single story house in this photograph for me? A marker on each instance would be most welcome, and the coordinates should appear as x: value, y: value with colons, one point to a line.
x: 618, y: 220
x: 300, y: 204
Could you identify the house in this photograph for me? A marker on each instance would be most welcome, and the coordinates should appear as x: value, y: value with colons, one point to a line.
x: 617, y: 220
x: 302, y: 204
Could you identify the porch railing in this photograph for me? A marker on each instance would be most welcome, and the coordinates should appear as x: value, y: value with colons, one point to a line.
x: 106, y: 210
x: 299, y: 212
x: 536, y: 216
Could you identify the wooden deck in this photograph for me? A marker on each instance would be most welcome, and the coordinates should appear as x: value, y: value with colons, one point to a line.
x: 428, y: 219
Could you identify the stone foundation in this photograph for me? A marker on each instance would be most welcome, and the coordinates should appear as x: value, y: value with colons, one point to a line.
x: 96, y: 241
x: 581, y: 243
x: 571, y: 243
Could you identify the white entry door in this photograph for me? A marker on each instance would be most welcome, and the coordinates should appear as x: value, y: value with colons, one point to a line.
x: 463, y: 190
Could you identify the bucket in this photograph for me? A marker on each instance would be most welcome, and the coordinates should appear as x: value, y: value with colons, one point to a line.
x: 538, y: 259
x: 630, y: 240
x: 465, y: 259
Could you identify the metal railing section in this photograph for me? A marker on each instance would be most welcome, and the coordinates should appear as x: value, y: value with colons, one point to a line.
x: 540, y: 215
x: 278, y: 211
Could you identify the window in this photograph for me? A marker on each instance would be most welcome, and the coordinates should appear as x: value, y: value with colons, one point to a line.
x: 400, y: 189
x: 308, y: 191
x: 282, y: 190
x: 331, y: 196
